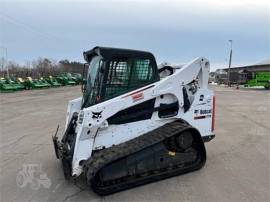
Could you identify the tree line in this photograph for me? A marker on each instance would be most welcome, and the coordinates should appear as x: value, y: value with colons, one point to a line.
x: 41, y: 67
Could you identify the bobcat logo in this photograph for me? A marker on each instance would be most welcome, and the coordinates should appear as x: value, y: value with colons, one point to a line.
x: 96, y: 115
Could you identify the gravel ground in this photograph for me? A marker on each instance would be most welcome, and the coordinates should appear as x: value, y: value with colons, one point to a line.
x: 237, y: 168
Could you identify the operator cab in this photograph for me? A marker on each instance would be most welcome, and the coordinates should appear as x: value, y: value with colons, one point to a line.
x: 113, y: 72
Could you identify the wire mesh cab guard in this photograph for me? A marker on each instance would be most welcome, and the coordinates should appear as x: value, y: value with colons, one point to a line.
x: 121, y: 71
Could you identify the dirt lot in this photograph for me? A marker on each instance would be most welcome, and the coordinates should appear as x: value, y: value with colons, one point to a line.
x: 237, y: 168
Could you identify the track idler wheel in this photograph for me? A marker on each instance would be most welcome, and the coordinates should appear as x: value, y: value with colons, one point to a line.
x: 180, y: 142
x: 184, y: 140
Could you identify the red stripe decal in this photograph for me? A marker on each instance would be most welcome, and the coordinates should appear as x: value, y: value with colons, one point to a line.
x: 137, y: 97
x: 135, y: 92
x: 213, y: 113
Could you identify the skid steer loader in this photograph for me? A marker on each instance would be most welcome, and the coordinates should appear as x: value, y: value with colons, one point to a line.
x: 130, y: 127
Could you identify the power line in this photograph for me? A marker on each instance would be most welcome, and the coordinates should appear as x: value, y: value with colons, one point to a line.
x: 36, y: 31
x: 28, y: 27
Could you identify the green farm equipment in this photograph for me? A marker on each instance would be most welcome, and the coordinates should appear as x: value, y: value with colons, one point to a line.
x: 54, y: 83
x: 44, y: 82
x: 259, y: 79
x: 65, y: 79
x: 10, y: 84
x: 21, y: 81
x: 15, y: 83
x: 71, y: 78
x: 35, y: 83
x: 5, y: 86
x: 78, y: 77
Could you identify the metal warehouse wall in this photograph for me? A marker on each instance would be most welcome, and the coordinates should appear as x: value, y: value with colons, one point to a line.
x: 251, y: 68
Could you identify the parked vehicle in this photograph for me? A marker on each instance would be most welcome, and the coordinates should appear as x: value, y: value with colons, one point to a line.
x: 54, y: 83
x: 35, y: 83
x: 259, y: 79
x: 15, y: 83
x: 78, y: 77
x: 6, y: 86
x: 65, y: 80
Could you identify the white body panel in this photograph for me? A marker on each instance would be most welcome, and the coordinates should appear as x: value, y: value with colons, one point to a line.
x: 96, y: 133
x: 73, y: 106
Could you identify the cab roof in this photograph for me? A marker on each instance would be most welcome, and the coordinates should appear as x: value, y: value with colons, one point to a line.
x: 109, y: 53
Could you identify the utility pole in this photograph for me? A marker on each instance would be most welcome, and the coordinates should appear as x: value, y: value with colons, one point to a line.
x: 230, y: 62
x: 6, y: 60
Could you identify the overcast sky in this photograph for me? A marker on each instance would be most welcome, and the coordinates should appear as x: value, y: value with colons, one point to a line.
x: 174, y: 31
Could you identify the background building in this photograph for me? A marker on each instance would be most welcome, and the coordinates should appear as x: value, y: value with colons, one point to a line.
x: 241, y: 74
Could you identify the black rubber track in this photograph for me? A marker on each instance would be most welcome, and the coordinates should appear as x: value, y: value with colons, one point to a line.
x: 112, y: 154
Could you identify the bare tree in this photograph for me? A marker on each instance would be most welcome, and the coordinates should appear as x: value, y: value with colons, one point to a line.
x: 41, y: 67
